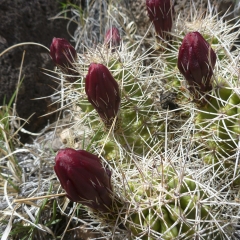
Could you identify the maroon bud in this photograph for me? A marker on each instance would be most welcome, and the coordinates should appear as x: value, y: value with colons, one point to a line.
x: 112, y: 37
x: 64, y: 56
x: 84, y: 179
x: 160, y: 14
x: 103, y: 92
x: 196, y: 61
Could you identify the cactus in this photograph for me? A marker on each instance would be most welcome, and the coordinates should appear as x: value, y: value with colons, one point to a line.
x: 162, y: 187
x: 151, y: 197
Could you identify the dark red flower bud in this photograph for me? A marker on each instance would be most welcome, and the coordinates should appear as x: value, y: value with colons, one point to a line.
x: 112, y: 37
x: 103, y: 92
x: 196, y: 61
x: 84, y: 179
x: 64, y: 56
x: 160, y: 13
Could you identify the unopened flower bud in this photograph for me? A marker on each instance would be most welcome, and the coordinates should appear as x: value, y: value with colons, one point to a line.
x: 196, y: 61
x: 103, y: 92
x: 160, y: 14
x: 64, y: 56
x: 84, y: 179
x: 112, y: 37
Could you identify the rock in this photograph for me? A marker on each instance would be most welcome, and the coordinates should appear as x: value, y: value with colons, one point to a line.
x: 28, y: 21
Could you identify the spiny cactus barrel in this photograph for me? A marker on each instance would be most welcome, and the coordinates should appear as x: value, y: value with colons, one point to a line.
x: 164, y: 202
x: 153, y: 209
x: 196, y: 61
x: 217, y: 125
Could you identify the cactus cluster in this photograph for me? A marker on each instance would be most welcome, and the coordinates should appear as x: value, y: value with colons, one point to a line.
x: 159, y: 188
